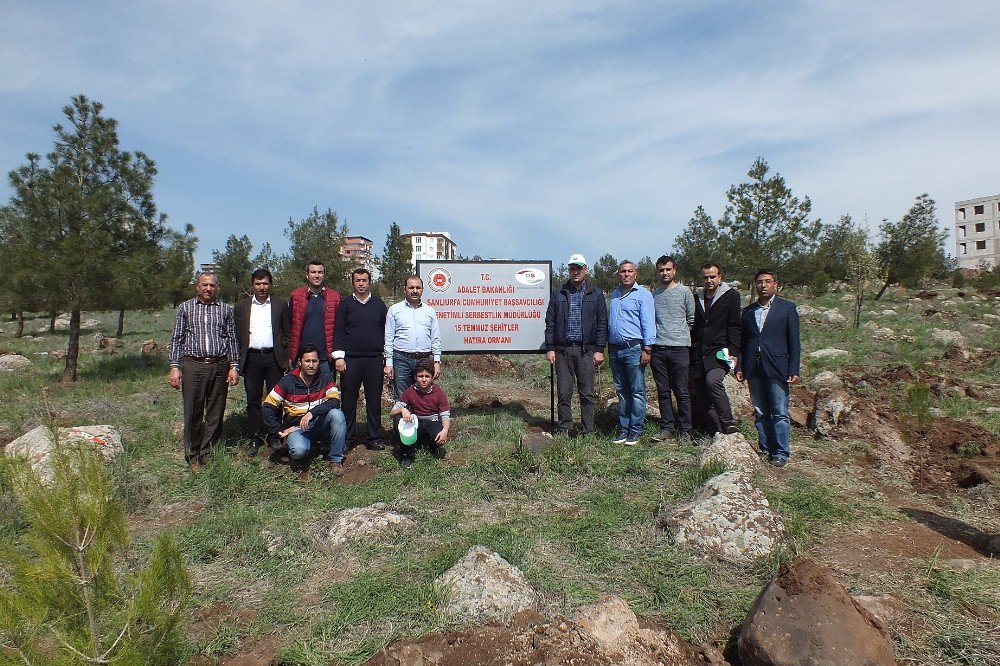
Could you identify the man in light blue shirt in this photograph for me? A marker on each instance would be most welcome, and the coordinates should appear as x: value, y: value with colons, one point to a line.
x: 411, y: 333
x: 631, y: 333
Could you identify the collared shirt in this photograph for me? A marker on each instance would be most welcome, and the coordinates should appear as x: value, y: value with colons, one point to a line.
x: 261, y: 336
x: 631, y: 316
x: 412, y: 329
x: 574, y: 322
x: 760, y: 314
x: 362, y: 301
x: 204, y: 329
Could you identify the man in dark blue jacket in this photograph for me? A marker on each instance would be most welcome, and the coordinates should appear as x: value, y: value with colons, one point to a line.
x: 770, y: 363
x: 576, y: 332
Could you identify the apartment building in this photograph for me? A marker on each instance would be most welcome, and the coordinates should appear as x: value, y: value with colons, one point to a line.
x: 431, y: 245
x: 358, y: 251
x: 977, y: 232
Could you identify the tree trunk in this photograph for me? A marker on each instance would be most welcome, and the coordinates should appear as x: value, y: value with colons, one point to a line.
x: 20, y: 325
x: 857, y: 310
x: 121, y: 323
x: 73, y: 352
x: 52, y: 321
x: 882, y: 290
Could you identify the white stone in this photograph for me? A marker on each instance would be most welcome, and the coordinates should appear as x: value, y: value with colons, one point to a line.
x: 484, y: 586
x: 829, y: 410
x: 889, y: 313
x: 878, y: 331
x: 832, y: 317
x: 829, y: 352
x: 989, y: 316
x: 727, y: 518
x: 36, y: 445
x: 944, y: 336
x: 14, y: 362
x: 360, y: 523
x: 826, y: 379
x: 734, y: 451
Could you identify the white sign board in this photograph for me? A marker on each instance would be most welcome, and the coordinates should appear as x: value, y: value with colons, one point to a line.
x: 495, y: 307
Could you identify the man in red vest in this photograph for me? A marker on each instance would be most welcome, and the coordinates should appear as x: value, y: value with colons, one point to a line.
x: 313, y: 309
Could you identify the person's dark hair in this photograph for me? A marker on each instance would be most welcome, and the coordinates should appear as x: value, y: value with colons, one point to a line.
x: 424, y: 365
x: 317, y: 262
x: 413, y: 277
x: 711, y: 264
x: 361, y: 270
x: 305, y: 349
x: 666, y: 259
x: 765, y: 271
x: 260, y: 274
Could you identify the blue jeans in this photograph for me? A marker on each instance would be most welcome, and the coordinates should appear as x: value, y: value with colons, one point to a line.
x: 770, y: 406
x: 332, y: 429
x: 630, y: 384
x: 403, y: 372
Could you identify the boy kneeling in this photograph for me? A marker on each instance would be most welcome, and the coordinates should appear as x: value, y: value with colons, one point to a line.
x: 426, y: 402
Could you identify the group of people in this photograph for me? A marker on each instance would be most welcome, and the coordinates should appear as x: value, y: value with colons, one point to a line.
x: 290, y: 354
x: 690, y: 339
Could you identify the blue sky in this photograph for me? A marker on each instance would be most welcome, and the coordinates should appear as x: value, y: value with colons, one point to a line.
x: 528, y: 130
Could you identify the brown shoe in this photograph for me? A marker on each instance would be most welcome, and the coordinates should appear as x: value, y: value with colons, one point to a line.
x: 335, y: 468
x: 195, y: 467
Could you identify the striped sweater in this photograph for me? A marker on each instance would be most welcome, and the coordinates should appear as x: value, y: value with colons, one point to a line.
x: 290, y: 399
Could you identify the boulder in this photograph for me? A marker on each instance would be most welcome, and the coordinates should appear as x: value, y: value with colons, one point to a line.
x: 978, y: 327
x: 804, y: 616
x: 943, y: 336
x: 727, y: 518
x: 536, y: 442
x: 360, y: 523
x: 829, y: 352
x: 36, y: 445
x: 609, y: 622
x: 885, y: 609
x: 833, y: 317
x: 739, y: 396
x: 829, y: 410
x: 150, y: 347
x: 484, y: 586
x: 14, y: 362
x: 826, y: 380
x: 734, y: 451
x: 877, y: 331
x: 889, y: 313
x: 806, y: 310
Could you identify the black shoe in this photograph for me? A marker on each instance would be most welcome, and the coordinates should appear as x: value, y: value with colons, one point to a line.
x: 730, y: 429
x: 406, y: 463
x: 684, y: 438
x: 778, y: 462
x: 439, y: 452
x: 663, y: 435
x: 375, y: 445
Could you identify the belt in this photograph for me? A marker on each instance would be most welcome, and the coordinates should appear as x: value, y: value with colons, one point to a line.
x: 205, y: 360
x: 412, y: 354
x: 573, y: 344
x: 265, y: 350
x: 627, y: 343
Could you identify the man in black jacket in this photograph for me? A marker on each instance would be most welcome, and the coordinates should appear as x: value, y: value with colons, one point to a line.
x: 359, y: 334
x: 716, y: 337
x: 576, y: 332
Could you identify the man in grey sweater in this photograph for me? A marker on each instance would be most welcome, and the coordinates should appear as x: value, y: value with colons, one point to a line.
x: 670, y: 359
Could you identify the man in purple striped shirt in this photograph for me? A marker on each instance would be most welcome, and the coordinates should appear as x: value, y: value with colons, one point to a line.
x: 204, y: 363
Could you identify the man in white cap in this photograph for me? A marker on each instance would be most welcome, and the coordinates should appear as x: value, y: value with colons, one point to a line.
x: 576, y: 332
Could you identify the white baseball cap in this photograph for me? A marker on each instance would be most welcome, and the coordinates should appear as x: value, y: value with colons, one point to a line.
x: 576, y: 260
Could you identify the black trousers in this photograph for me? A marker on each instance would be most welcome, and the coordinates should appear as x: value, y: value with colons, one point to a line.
x: 203, y: 389
x: 427, y: 430
x: 712, y: 410
x: 670, y: 372
x: 259, y: 377
x: 358, y: 373
x: 575, y: 371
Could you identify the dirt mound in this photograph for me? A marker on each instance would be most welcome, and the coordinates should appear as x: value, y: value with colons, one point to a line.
x: 531, y: 639
x: 951, y: 453
x: 489, y: 365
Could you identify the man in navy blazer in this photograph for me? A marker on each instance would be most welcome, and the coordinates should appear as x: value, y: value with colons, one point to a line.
x: 770, y: 363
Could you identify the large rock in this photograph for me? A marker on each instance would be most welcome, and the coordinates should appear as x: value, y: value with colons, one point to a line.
x: 827, y: 380
x: 829, y: 352
x: 727, y: 518
x: 804, y: 616
x: 833, y: 317
x: 14, y: 362
x: 832, y: 406
x: 36, y: 445
x: 536, y: 443
x: 739, y: 396
x: 877, y: 331
x: 484, y: 586
x: 943, y: 336
x: 359, y: 523
x: 734, y: 451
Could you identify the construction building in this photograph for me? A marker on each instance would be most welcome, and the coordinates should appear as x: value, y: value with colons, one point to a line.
x: 977, y: 232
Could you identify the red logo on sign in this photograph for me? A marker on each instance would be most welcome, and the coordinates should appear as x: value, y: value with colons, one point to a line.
x: 439, y: 279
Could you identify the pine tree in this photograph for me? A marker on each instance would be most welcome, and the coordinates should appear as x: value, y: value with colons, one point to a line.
x: 396, y: 262
x: 912, y: 248
x: 66, y: 600
x: 233, y: 268
x: 320, y: 236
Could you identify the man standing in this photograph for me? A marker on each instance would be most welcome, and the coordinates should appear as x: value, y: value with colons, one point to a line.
x: 204, y: 363
x: 771, y: 351
x: 716, y: 335
x: 360, y: 336
x: 411, y: 333
x: 576, y: 332
x: 671, y: 357
x: 631, y: 332
x: 264, y: 329
x: 303, y: 408
x: 313, y: 310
